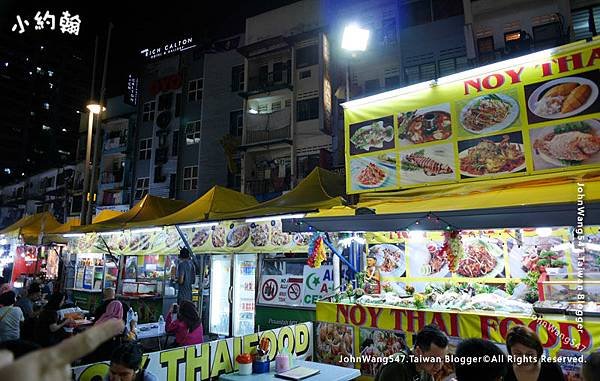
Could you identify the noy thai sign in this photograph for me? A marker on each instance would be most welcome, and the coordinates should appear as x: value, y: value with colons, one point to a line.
x: 208, y: 360
x: 529, y: 115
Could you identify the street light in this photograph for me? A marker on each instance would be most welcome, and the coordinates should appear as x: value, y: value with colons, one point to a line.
x: 95, y: 108
x: 354, y: 39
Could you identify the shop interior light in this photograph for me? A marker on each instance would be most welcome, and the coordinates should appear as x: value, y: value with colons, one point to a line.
x: 271, y: 218
x: 252, y: 111
x: 355, y: 38
x: 146, y: 230
x: 543, y: 232
x: 199, y: 225
x: 73, y: 235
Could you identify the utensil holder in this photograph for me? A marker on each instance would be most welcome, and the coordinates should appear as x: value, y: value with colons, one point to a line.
x: 260, y: 366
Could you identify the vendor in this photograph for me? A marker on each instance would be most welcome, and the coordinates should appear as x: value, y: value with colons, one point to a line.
x: 186, y: 276
x: 373, y: 276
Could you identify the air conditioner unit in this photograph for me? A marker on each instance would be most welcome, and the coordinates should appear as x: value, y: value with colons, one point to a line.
x: 163, y: 119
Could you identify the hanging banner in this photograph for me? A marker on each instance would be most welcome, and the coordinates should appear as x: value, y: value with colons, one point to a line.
x: 225, y: 237
x: 536, y: 114
x: 317, y: 283
x: 208, y: 360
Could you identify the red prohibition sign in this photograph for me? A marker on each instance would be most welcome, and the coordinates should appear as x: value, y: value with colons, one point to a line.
x: 269, y: 289
x: 293, y: 291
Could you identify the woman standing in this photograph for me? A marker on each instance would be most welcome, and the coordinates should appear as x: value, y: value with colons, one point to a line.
x: 526, y: 350
x: 186, y: 324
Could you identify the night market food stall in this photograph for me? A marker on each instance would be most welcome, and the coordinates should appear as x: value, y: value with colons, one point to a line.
x: 479, y: 208
x: 23, y: 254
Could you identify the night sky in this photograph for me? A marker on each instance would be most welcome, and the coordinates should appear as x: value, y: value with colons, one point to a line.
x: 137, y: 25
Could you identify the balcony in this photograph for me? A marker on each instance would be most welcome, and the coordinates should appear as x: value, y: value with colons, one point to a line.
x: 266, y: 187
x: 271, y: 81
x: 264, y: 128
x: 111, y: 177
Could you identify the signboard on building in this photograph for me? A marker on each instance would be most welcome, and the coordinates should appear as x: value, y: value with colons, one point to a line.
x: 132, y: 90
x: 168, y: 48
x: 529, y: 115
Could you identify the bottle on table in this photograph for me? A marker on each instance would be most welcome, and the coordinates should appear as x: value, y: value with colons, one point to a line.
x: 161, y: 324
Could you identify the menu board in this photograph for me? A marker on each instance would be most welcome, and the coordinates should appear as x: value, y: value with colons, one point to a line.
x: 536, y: 117
x: 225, y: 237
x: 489, y: 256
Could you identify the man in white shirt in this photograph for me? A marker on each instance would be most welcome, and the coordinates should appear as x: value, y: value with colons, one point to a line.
x: 10, y: 317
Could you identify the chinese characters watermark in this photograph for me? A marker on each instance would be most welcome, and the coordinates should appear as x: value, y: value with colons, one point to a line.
x: 67, y: 23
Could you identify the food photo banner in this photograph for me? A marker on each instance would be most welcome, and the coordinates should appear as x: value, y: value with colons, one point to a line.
x: 224, y: 237
x: 208, y: 360
x: 537, y: 117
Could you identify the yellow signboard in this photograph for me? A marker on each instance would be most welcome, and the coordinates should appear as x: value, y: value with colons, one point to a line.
x: 534, y: 114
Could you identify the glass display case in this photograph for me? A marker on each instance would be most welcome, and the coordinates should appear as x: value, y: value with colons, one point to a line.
x: 89, y: 272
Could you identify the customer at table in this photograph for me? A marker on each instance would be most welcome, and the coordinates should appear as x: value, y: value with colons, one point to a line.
x: 125, y: 364
x: 431, y: 346
x: 10, y: 317
x: 49, y: 327
x: 25, y: 303
x: 523, y: 343
x: 186, y: 275
x: 479, y: 360
x: 590, y: 371
x: 108, y: 296
x: 114, y: 310
x: 186, y: 324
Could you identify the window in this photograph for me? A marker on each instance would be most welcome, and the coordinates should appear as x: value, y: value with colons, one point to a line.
x: 192, y: 132
x: 141, y: 187
x: 175, y: 145
x: 275, y: 106
x: 392, y: 82
x: 178, y: 105
x: 236, y: 123
x: 307, y: 56
x: 165, y: 101
x: 452, y: 65
x: 416, y: 13
x: 308, y: 109
x: 305, y: 74
x: 148, y: 113
x: 145, y: 149
x: 547, y: 35
x: 76, y: 204
x: 586, y: 22
x: 485, y: 45
x: 195, y: 90
x: 420, y: 73
x: 446, y: 8
x: 190, y: 178
x: 388, y: 32
x: 278, y: 72
x: 237, y: 78
x: 372, y: 86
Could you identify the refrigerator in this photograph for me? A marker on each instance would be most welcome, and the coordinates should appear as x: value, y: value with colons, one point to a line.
x: 232, y: 294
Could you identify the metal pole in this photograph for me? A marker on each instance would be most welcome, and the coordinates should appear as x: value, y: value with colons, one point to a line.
x: 88, y: 148
x: 348, y: 80
x: 93, y: 182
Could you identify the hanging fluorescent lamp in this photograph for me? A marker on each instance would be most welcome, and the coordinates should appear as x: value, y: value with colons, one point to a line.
x: 73, y: 235
x: 110, y: 233
x: 199, y: 225
x: 271, y: 218
x: 543, y: 232
x: 146, y: 230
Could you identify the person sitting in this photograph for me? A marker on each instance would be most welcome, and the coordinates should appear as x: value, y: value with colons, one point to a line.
x: 25, y: 303
x: 526, y: 349
x: 49, y: 327
x: 430, y: 343
x: 114, y: 310
x: 471, y: 366
x: 108, y: 296
x: 186, y: 324
x: 125, y: 364
x: 10, y: 318
x: 590, y: 371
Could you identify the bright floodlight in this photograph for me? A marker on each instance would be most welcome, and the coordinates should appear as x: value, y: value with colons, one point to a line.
x: 355, y: 38
x: 95, y: 108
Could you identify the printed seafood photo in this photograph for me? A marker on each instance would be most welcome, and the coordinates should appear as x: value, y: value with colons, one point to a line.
x: 537, y: 254
x: 375, y: 343
x: 426, y: 257
x: 333, y: 343
x: 493, y: 155
x: 391, y: 260
x: 563, y: 98
x: 483, y: 258
x: 489, y: 113
x: 425, y: 124
x: 427, y: 165
x: 372, y: 135
x: 372, y: 173
x: 566, y: 145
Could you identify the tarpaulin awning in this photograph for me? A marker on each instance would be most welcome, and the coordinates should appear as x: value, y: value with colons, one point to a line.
x: 149, y: 208
x: 550, y: 199
x: 216, y: 201
x: 30, y: 227
x: 55, y: 235
x: 321, y: 189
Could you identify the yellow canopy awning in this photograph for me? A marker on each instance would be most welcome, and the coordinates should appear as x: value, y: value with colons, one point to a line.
x: 321, y: 189
x: 216, y: 201
x: 550, y: 188
x: 149, y: 208
x: 55, y: 235
x: 30, y: 227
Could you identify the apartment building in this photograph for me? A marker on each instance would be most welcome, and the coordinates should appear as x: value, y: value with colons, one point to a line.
x: 188, y: 101
x: 287, y: 99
